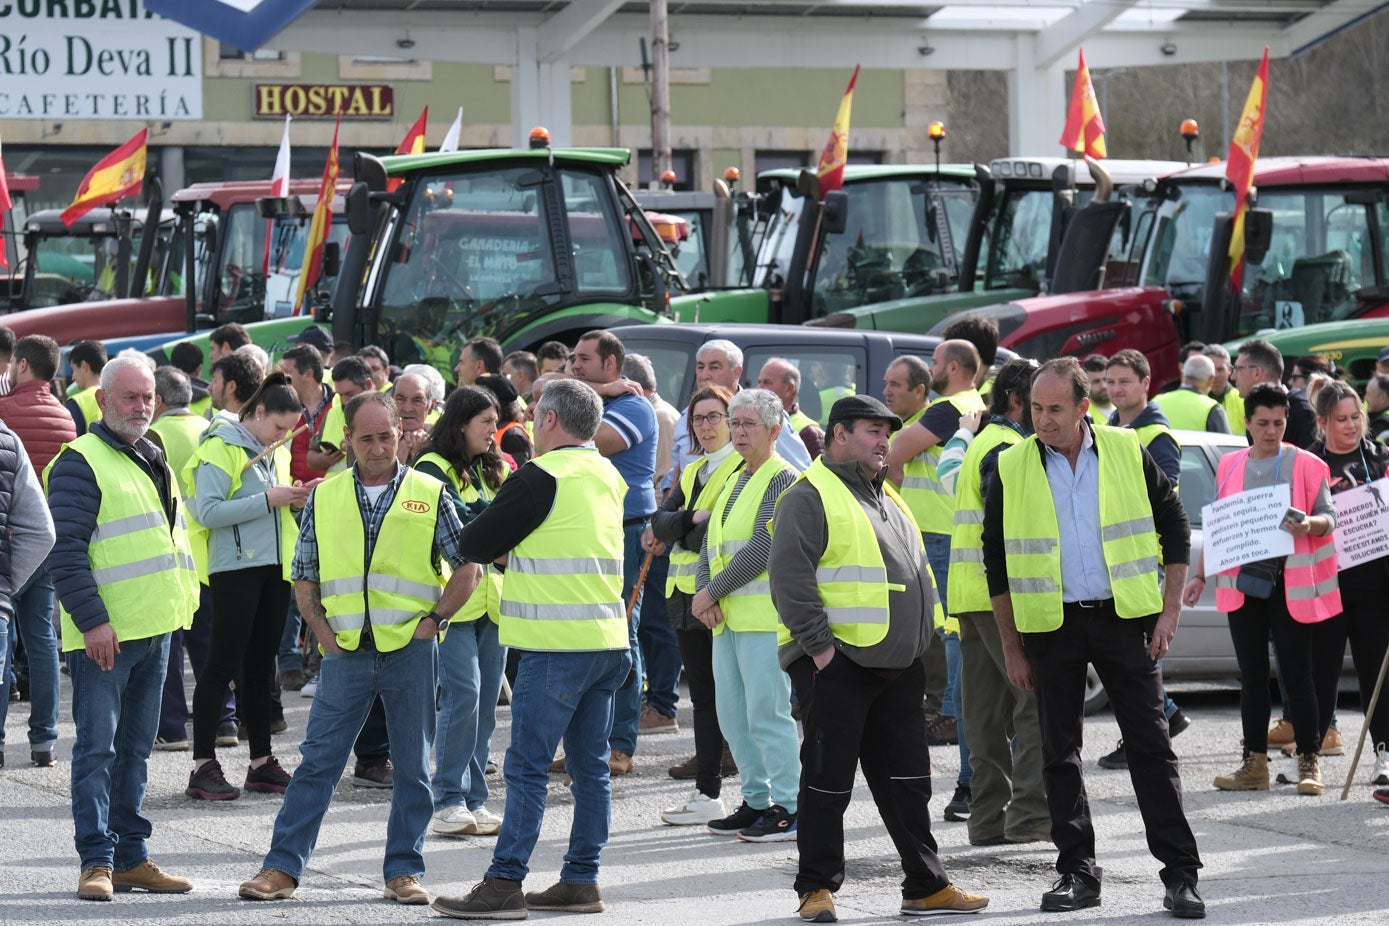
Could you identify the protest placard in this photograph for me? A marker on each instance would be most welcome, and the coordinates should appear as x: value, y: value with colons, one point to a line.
x: 1362, y: 523
x: 1244, y: 528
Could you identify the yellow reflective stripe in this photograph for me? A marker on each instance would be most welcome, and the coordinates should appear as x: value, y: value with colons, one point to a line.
x: 856, y: 615
x: 731, y: 547
x: 120, y: 527
x: 1029, y: 545
x: 851, y: 574
x: 351, y: 585
x: 566, y: 566
x: 919, y: 482
x: 1132, y: 528
x: 395, y: 585
x: 969, y: 515
x: 185, y: 561
x: 562, y: 612
x: 391, y: 617
x: 1040, y: 585
x: 1304, y: 560
x: 137, y: 569
x: 755, y: 587
x: 966, y: 555
x: 683, y: 569
x: 1134, y: 568
x: 341, y: 623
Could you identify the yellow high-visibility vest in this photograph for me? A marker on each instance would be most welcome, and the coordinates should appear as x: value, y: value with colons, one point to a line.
x: 684, y: 564
x: 487, y: 597
x: 968, y: 589
x: 1185, y: 409
x: 400, y: 584
x: 750, y: 607
x: 232, y: 459
x: 563, y: 585
x: 86, y: 403
x: 932, y: 504
x: 1032, y: 538
x: 142, y: 566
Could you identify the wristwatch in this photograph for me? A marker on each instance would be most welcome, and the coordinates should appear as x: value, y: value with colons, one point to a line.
x: 440, y: 623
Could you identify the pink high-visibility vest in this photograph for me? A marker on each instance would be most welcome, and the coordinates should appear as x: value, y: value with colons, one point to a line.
x: 1309, y: 574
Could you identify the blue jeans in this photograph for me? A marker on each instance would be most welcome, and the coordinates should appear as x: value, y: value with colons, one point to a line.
x: 938, y: 555
x: 33, y: 619
x: 348, y: 684
x: 660, y: 647
x: 753, y: 698
x: 627, y: 702
x: 116, y: 714
x: 290, y: 655
x: 470, y: 674
x: 569, y: 696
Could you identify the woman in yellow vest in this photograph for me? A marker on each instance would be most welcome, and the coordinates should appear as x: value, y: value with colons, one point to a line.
x: 734, y: 601
x: 462, y: 454
x: 247, y: 513
x: 680, y: 525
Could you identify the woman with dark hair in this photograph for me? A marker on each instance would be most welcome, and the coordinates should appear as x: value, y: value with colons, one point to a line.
x: 462, y: 453
x: 511, y: 436
x: 680, y: 525
x: 1353, y: 460
x: 1285, y: 597
x: 248, y: 533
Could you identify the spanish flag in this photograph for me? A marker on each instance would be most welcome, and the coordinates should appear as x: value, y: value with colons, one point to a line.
x: 321, y: 224
x: 836, y: 154
x: 1084, y: 131
x: 412, y: 144
x: 5, y: 204
x: 116, y: 176
x: 1239, y: 165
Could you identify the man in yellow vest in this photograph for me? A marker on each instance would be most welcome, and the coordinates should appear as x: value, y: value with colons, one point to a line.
x: 850, y: 582
x: 1073, y: 526
x: 369, y: 578
x: 87, y: 358
x: 1189, y: 407
x: 1223, y: 389
x: 123, y: 571
x: 781, y: 378
x: 912, y: 468
x: 1129, y: 377
x: 557, y: 526
x: 1007, y: 798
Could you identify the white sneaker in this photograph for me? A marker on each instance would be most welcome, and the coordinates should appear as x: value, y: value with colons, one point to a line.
x: 699, y: 809
x: 454, y: 821
x: 488, y: 823
x: 309, y: 689
x: 1381, y: 765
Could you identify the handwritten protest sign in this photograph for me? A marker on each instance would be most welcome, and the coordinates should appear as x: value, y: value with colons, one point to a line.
x: 1362, y: 523
x: 1244, y: 528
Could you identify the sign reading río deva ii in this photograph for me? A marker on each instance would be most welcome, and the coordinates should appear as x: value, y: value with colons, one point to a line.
x: 96, y: 59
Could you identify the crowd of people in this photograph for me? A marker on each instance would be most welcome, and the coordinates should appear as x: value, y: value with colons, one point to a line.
x: 937, y: 568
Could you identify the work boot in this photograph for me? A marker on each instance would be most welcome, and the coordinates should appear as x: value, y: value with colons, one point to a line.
x: 566, y: 897
x: 1309, y: 775
x: 406, y: 889
x: 490, y: 899
x: 148, y: 877
x: 1281, y: 733
x: 268, y: 884
x: 1252, y: 775
x: 943, y: 732
x: 1331, y: 745
x: 818, y: 907
x: 619, y: 763
x: 94, y: 883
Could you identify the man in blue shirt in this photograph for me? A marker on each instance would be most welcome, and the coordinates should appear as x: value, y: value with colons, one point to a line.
x: 627, y: 437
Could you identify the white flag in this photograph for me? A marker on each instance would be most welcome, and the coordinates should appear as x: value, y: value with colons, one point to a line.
x: 451, y: 139
x: 279, y: 181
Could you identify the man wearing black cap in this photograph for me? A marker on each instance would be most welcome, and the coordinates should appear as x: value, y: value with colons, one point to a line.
x: 850, y: 581
x: 316, y: 336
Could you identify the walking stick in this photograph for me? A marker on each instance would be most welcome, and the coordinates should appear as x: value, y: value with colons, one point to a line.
x: 641, y: 580
x: 1369, y: 713
x: 275, y: 446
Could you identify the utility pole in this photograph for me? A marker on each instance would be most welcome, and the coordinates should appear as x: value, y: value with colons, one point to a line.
x: 660, y: 92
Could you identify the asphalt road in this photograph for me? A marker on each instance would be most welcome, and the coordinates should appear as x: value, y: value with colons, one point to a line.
x: 1270, y: 857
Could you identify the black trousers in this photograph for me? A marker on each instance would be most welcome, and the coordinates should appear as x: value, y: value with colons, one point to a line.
x: 1118, y: 649
x: 697, y: 654
x: 248, y: 618
x: 1251, y: 625
x: 858, y: 716
x: 1363, y: 623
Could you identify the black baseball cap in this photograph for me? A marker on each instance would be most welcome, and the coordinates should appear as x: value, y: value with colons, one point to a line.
x: 853, y: 407
x: 315, y: 336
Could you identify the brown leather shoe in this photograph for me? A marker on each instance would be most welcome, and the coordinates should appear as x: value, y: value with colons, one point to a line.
x: 407, y: 889
x: 94, y: 883
x: 269, y: 884
x: 148, y: 877
x: 619, y: 763
x: 558, y: 767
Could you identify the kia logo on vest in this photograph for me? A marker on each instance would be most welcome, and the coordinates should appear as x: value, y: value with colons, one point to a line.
x: 417, y: 507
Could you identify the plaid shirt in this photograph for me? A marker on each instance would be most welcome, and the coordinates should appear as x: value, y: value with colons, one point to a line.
x: 448, y: 529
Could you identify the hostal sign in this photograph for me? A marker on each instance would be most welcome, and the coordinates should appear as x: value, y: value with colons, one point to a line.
x: 96, y: 59
x: 324, y: 101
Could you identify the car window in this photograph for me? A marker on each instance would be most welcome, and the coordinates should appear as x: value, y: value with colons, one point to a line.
x: 672, y: 361
x: 1197, y: 486
x: 827, y: 374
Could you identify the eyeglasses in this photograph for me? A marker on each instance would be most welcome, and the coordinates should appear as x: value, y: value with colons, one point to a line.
x: 1297, y: 376
x: 711, y: 418
x: 1241, y: 369
x: 745, y: 424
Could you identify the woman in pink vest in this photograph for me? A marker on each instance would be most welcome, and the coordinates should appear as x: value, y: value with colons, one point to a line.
x: 1353, y: 460
x: 1285, y: 597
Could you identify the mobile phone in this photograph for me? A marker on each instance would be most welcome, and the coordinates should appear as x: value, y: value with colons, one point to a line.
x: 1294, y: 515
